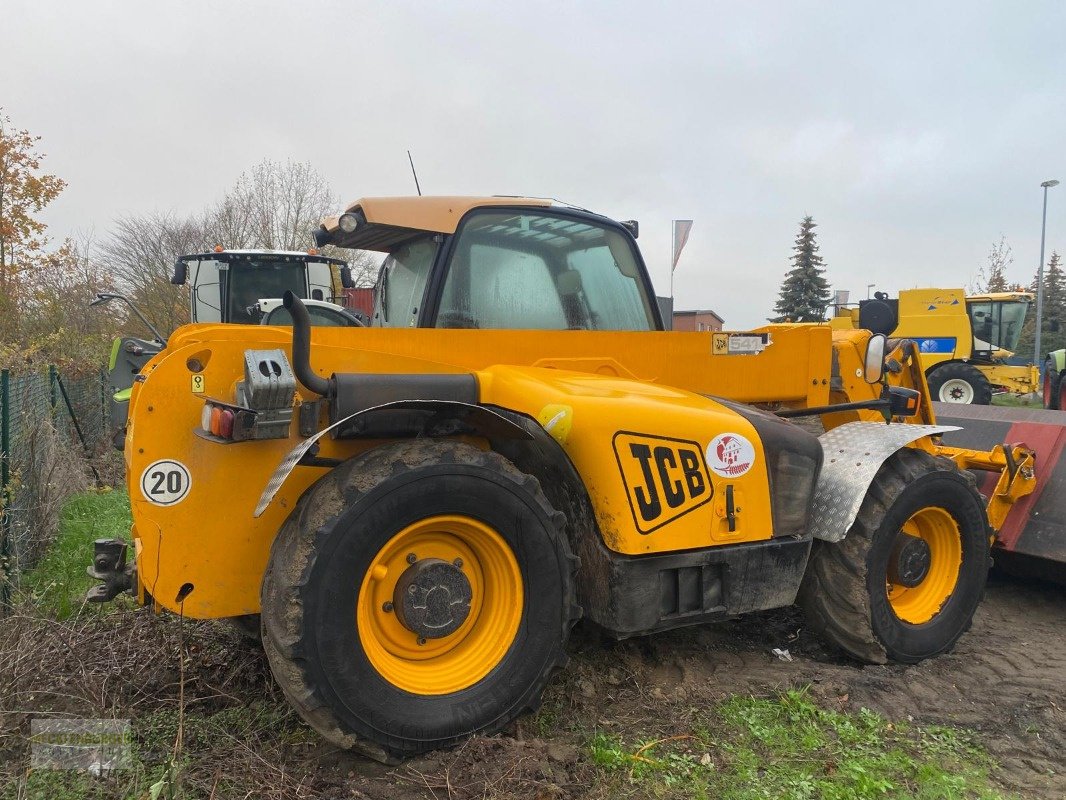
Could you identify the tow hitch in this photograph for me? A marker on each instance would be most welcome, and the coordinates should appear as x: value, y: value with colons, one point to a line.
x: 110, y: 567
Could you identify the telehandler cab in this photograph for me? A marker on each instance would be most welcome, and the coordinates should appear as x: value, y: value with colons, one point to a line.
x: 420, y: 511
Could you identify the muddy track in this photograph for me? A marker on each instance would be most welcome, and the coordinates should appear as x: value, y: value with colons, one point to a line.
x: 1005, y: 679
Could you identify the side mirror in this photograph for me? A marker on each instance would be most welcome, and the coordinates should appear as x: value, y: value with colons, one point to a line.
x: 346, y: 277
x: 181, y: 273
x: 874, y: 363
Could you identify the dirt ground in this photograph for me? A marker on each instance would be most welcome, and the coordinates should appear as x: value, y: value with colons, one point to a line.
x: 1005, y: 680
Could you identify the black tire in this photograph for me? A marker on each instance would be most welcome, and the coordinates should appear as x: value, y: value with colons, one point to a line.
x: 1052, y: 385
x: 944, y: 384
x: 844, y: 593
x: 318, y: 562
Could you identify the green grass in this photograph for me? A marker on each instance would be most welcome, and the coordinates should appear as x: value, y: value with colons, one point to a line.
x: 788, y: 746
x: 1017, y: 401
x: 57, y: 584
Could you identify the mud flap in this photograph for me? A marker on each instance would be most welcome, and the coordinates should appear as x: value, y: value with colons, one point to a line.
x: 480, y: 421
x: 853, y: 453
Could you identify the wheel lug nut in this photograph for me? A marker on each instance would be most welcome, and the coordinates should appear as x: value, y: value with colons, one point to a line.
x: 386, y: 606
x: 421, y: 640
x: 458, y: 562
x: 411, y: 558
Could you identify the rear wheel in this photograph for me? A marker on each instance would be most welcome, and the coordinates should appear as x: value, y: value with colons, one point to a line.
x: 1052, y: 385
x: 905, y: 582
x: 418, y: 594
x: 960, y: 383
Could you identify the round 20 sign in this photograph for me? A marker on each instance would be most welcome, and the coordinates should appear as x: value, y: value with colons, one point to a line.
x: 165, y: 482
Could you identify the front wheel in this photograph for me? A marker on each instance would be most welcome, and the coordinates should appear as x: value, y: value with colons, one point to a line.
x: 418, y: 594
x: 960, y: 383
x: 904, y: 584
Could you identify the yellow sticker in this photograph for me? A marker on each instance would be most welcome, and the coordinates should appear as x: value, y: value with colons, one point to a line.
x: 720, y: 343
x: 199, y: 385
x: 556, y: 420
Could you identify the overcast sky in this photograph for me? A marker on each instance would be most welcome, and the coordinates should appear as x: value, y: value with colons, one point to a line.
x: 914, y: 133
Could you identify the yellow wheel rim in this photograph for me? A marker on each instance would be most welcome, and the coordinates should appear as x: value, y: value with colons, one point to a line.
x: 920, y: 603
x: 434, y: 666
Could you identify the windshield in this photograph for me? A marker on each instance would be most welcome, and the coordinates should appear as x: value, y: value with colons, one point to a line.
x: 997, y: 323
x: 403, y: 283
x: 540, y: 271
x: 250, y: 281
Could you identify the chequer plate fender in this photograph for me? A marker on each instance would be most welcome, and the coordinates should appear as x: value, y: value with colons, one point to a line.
x: 853, y: 454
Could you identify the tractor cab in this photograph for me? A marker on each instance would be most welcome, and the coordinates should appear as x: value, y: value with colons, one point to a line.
x: 499, y: 263
x: 228, y: 285
x: 997, y: 321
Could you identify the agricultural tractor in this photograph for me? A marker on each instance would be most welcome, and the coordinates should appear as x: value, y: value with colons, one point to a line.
x: 964, y: 341
x: 232, y: 286
x: 420, y: 510
x: 1054, y: 372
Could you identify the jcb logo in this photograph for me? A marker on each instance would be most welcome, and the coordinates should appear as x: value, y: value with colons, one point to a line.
x: 664, y: 478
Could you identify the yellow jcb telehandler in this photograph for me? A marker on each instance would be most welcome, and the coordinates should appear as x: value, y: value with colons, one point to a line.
x: 420, y: 510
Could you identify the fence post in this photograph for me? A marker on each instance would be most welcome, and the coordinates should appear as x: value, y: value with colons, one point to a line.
x: 105, y: 421
x: 53, y: 398
x: 5, y: 490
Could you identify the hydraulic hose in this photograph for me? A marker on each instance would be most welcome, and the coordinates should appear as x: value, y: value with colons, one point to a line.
x: 301, y: 346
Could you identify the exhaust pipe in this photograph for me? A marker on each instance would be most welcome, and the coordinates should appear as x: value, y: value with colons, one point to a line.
x: 301, y: 346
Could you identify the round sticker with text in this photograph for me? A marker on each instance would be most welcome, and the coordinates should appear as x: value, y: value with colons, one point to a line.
x: 165, y: 482
x: 730, y: 455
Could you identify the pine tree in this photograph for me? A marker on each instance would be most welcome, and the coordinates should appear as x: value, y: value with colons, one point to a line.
x: 1053, y: 318
x: 804, y: 292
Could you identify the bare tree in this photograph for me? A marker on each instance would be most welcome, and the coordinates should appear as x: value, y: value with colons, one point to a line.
x: 274, y: 207
x: 992, y: 276
x: 140, y: 254
x: 364, y: 263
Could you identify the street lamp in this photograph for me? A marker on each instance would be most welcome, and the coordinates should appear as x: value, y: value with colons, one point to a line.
x: 1040, y: 281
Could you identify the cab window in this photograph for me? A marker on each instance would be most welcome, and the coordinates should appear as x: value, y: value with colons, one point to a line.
x: 402, y: 283
x: 542, y: 271
x: 251, y: 281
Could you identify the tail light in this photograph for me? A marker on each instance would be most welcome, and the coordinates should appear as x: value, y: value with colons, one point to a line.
x: 222, y: 422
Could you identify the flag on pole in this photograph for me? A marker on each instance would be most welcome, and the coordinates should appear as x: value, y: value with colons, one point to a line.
x: 681, y: 230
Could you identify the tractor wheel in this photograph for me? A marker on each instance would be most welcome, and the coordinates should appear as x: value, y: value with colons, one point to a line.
x: 904, y: 583
x: 960, y: 383
x: 418, y: 593
x: 1052, y: 385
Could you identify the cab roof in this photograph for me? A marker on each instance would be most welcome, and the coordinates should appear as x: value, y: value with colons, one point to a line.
x: 243, y: 254
x: 388, y: 221
x: 1015, y: 296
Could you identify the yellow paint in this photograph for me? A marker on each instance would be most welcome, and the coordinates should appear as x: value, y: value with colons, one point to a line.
x: 1010, y: 487
x: 919, y: 604
x: 461, y: 659
x: 227, y: 479
x: 664, y: 478
x: 942, y: 313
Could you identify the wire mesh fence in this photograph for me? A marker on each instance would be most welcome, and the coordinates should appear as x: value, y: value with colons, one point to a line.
x: 54, y: 429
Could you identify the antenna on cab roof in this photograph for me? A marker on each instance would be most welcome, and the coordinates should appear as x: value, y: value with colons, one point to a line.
x: 417, y: 187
